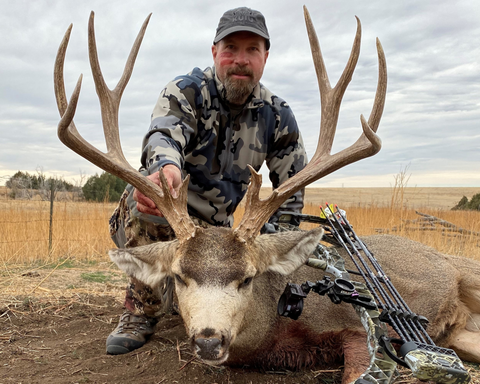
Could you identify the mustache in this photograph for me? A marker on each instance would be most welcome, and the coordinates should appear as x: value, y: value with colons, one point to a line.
x: 240, y: 71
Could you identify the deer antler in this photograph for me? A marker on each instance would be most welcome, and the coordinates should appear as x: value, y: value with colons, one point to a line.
x: 258, y: 211
x: 113, y: 161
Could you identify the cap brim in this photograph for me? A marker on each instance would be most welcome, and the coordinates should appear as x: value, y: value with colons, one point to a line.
x: 239, y: 28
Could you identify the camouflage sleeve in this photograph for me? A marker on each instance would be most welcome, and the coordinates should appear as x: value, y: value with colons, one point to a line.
x: 287, y: 157
x: 173, y: 125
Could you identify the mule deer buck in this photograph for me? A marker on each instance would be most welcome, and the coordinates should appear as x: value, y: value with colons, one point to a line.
x: 228, y: 281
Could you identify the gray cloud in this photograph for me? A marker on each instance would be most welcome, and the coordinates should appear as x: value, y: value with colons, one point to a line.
x: 430, y: 122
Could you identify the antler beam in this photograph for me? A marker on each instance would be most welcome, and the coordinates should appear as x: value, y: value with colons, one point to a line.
x: 258, y: 211
x: 113, y: 161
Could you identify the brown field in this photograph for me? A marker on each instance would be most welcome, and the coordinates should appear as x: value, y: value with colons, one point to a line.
x: 392, y: 210
x: 80, y: 230
x: 415, y: 198
x: 58, y: 304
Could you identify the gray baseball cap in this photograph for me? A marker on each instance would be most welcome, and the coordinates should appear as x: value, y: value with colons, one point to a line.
x: 242, y: 19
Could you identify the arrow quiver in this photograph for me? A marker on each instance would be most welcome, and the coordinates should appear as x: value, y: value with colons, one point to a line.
x: 376, y: 301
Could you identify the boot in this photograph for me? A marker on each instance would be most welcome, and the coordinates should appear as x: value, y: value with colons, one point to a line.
x: 131, y: 333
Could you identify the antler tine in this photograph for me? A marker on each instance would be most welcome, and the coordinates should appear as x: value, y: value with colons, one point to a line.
x: 258, y: 211
x: 110, y: 109
x: 175, y: 210
x: 379, y: 104
x: 330, y: 98
x: 59, y: 86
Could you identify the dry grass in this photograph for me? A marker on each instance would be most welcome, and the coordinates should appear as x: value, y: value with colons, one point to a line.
x: 371, y: 220
x: 79, y: 230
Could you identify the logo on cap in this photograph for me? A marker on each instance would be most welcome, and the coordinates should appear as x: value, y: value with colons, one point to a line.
x: 242, y: 15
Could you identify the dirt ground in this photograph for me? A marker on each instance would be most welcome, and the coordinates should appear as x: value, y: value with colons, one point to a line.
x: 54, y: 322
x: 56, y: 334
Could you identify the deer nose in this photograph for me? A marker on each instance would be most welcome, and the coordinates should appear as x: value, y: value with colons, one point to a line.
x: 208, y: 348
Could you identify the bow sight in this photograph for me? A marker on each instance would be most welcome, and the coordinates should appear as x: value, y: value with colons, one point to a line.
x: 375, y: 300
x: 291, y: 301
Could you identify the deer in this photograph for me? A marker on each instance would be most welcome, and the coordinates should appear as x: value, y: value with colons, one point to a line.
x: 228, y: 280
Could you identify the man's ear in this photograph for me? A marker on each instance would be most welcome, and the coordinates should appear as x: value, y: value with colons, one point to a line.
x: 147, y: 263
x: 214, y: 51
x: 284, y: 252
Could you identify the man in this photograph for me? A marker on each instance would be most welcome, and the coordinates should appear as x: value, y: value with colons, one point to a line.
x: 209, y: 124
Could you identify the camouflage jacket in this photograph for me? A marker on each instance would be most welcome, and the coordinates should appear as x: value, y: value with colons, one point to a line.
x: 193, y: 127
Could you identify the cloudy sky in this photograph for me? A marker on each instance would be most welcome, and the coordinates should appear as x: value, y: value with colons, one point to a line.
x: 431, y: 122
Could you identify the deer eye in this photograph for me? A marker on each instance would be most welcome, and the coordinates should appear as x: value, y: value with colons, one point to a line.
x: 245, y: 283
x: 179, y: 280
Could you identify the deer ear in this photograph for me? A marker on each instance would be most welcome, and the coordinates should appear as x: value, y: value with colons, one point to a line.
x: 284, y: 252
x: 147, y: 263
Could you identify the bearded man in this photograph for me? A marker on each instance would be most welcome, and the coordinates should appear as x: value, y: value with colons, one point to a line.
x: 211, y: 125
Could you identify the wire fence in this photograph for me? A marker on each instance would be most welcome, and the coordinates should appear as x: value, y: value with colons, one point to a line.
x: 32, y: 232
x: 43, y: 231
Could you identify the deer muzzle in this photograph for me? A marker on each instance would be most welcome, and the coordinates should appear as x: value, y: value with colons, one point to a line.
x: 211, y: 347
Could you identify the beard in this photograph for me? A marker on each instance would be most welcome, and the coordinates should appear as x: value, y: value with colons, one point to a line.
x: 238, y: 90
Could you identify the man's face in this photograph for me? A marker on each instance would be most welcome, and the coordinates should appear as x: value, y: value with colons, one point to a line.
x: 239, y: 61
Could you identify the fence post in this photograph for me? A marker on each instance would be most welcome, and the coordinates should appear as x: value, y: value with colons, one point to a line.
x: 52, y: 197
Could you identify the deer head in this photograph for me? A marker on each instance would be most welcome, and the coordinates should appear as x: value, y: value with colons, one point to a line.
x: 215, y: 269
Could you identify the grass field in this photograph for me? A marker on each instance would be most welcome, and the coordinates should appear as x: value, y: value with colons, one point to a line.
x: 80, y: 230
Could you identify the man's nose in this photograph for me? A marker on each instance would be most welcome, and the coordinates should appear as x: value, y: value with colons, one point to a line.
x: 242, y: 58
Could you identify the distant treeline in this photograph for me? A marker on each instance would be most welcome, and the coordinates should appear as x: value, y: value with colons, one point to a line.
x: 103, y: 187
x: 39, y: 181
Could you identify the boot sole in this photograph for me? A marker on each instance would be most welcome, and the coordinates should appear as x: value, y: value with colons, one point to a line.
x: 117, y: 350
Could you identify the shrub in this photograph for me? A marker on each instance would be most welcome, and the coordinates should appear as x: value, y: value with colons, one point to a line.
x: 472, y: 205
x: 105, y: 187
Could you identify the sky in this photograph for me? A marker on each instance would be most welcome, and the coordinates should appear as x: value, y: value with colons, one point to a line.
x: 430, y: 127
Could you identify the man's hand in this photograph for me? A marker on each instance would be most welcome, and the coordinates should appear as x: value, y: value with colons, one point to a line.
x: 174, y: 179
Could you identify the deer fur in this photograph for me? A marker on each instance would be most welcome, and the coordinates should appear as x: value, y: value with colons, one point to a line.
x: 217, y: 301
